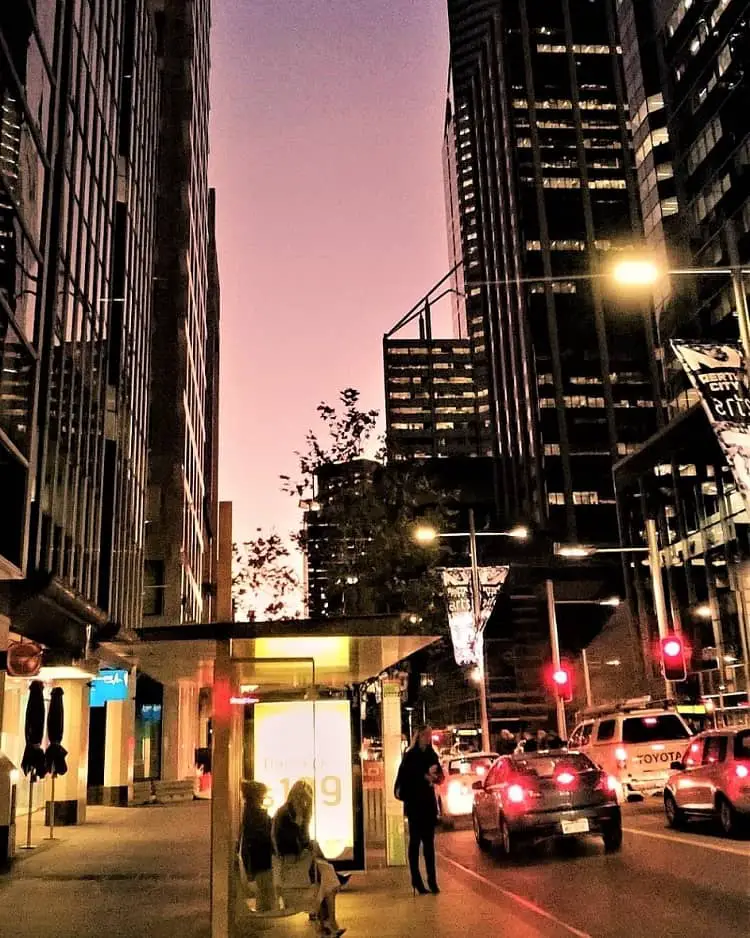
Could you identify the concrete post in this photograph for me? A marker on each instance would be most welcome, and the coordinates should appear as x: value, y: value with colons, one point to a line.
x: 180, y: 729
x: 70, y: 789
x: 395, y: 840
x: 119, y: 750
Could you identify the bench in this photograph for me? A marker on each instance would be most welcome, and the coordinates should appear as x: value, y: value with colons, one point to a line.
x: 284, y: 892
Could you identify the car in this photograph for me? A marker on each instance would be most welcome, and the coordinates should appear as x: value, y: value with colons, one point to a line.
x: 635, y: 742
x: 529, y: 797
x: 455, y: 795
x: 712, y: 779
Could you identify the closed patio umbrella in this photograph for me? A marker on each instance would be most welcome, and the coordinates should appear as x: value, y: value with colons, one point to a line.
x: 33, y: 762
x: 55, y: 756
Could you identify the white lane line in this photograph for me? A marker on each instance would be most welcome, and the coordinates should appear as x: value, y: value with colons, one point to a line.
x: 526, y: 903
x: 719, y: 848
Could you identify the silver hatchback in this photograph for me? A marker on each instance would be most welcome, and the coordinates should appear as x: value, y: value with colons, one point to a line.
x: 712, y: 780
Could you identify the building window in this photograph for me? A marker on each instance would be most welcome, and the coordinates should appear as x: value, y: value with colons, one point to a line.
x: 154, y: 588
x: 556, y: 498
x: 585, y: 498
x: 551, y: 449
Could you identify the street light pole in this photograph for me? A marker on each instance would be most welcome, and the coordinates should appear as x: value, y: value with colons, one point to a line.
x: 657, y: 586
x: 586, y: 677
x: 554, y: 639
x: 476, y: 605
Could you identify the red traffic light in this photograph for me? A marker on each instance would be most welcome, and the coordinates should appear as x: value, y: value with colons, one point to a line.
x: 673, y: 658
x: 561, y: 683
x: 672, y: 648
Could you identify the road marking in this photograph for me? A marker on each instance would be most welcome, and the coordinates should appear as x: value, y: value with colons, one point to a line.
x: 719, y: 848
x: 526, y: 903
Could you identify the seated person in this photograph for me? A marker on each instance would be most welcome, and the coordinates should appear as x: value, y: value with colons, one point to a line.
x: 295, y: 849
x: 256, y: 846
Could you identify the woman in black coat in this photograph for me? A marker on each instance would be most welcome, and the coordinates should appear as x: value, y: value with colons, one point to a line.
x: 418, y: 774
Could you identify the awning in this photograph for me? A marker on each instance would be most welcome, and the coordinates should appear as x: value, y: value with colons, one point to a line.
x: 343, y: 651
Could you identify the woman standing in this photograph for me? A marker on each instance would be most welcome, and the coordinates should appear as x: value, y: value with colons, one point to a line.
x: 418, y: 774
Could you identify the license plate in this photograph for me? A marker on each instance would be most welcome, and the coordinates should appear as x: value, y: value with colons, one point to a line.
x: 575, y: 827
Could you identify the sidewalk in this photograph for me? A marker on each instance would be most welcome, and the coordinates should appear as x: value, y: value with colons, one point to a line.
x: 143, y: 873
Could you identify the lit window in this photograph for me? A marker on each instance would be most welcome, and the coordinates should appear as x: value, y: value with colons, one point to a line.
x: 585, y: 498
x: 551, y: 449
x: 556, y: 498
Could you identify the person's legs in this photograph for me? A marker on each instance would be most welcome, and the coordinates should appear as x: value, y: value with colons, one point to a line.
x: 428, y: 840
x: 415, y: 839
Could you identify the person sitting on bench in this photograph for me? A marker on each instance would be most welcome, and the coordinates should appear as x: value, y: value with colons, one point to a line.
x: 291, y: 839
x: 256, y: 846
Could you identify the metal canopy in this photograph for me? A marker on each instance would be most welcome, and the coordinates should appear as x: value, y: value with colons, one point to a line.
x: 343, y: 651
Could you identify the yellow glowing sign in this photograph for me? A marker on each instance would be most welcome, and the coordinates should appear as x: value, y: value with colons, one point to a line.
x: 312, y: 740
x: 326, y: 651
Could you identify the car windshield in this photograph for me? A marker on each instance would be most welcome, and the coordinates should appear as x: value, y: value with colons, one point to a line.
x: 471, y: 765
x: 548, y: 766
x: 650, y: 729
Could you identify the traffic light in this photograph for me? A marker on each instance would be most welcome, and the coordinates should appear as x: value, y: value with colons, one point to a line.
x: 673, y: 658
x: 562, y: 684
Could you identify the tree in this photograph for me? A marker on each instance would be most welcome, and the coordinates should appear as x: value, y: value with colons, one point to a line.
x: 349, y: 430
x: 264, y: 582
x: 363, y: 515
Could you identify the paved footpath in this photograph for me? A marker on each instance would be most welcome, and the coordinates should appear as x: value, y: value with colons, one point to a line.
x: 144, y: 873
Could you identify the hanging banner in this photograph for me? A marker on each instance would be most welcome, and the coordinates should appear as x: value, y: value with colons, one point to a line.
x: 717, y: 372
x: 466, y: 636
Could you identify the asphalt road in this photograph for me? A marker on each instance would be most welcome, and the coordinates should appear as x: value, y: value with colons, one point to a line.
x: 692, y: 884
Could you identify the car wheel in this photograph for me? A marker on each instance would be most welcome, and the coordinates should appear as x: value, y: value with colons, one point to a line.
x: 612, y: 837
x: 506, y: 841
x: 675, y: 817
x: 727, y: 816
x: 481, y: 840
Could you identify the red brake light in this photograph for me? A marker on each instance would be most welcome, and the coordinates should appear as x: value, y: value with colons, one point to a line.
x: 607, y: 783
x: 611, y: 783
x: 741, y: 770
x: 565, y: 778
x: 516, y: 794
x: 481, y: 770
x: 672, y: 648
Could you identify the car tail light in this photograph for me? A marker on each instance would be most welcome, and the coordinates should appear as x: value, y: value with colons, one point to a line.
x: 480, y: 771
x: 607, y: 783
x: 516, y: 794
x: 741, y: 770
x: 565, y: 778
x: 621, y: 754
x: 693, y: 751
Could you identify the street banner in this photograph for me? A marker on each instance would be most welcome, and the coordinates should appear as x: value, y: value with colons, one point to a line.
x: 717, y: 371
x: 466, y: 636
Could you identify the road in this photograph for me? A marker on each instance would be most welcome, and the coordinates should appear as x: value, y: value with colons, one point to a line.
x: 691, y: 884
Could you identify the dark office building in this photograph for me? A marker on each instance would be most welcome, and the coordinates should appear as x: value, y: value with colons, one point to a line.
x: 537, y: 137
x: 694, y: 58
x: 175, y: 540
x: 77, y: 227
x: 432, y: 406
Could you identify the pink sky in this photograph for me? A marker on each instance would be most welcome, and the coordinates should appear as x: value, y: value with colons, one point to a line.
x: 326, y: 126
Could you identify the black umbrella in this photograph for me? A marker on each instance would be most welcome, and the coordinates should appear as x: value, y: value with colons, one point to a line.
x: 55, y: 756
x: 33, y: 756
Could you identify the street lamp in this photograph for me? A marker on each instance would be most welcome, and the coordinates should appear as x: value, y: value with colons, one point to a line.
x: 643, y: 272
x: 427, y: 534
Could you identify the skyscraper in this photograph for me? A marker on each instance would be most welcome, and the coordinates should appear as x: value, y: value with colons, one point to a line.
x: 541, y: 185
x: 177, y: 467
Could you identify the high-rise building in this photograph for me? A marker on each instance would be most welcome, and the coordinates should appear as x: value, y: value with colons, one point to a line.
x: 432, y: 406
x: 177, y: 467
x: 690, y: 69
x: 537, y: 137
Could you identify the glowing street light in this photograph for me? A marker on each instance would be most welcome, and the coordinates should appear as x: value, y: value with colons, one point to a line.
x: 636, y: 272
x: 425, y: 535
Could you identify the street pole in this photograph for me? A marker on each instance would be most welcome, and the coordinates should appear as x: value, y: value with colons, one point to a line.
x: 743, y: 318
x: 554, y: 639
x: 657, y: 587
x: 586, y: 677
x: 476, y: 601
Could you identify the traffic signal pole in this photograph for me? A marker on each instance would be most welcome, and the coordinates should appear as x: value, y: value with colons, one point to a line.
x: 476, y: 600
x: 657, y: 587
x: 554, y: 639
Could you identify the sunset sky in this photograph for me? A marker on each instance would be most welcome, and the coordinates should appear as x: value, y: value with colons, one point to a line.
x: 326, y: 128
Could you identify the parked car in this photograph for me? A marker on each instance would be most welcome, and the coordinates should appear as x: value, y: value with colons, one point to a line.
x: 542, y: 795
x: 455, y: 795
x: 712, y: 779
x: 635, y: 742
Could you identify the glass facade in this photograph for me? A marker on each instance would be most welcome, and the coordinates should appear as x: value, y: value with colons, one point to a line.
x: 538, y: 120
x: 177, y: 479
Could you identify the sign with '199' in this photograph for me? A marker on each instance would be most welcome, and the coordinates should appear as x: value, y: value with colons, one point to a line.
x: 312, y: 741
